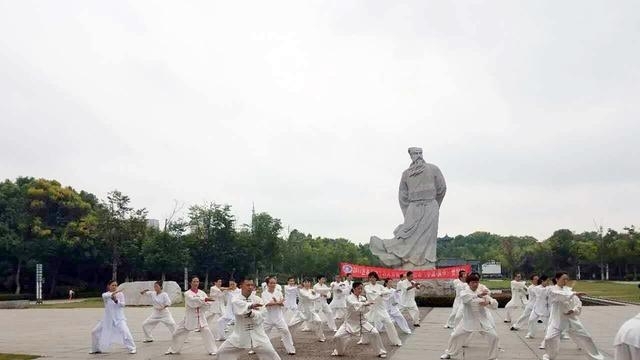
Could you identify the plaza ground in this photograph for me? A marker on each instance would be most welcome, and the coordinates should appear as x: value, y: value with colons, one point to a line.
x: 65, y: 334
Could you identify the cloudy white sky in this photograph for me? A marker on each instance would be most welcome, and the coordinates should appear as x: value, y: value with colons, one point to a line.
x: 530, y: 109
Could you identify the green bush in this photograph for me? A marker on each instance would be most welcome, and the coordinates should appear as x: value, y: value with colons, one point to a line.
x: 9, y: 297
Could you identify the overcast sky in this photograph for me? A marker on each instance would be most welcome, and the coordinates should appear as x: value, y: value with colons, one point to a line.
x: 530, y: 109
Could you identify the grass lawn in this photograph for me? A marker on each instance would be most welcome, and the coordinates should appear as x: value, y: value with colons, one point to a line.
x: 596, y: 288
x: 17, y: 357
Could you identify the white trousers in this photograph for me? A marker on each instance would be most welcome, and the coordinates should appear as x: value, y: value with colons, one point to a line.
x: 368, y: 332
x: 533, y: 321
x: 154, y: 319
x: 627, y: 352
x: 339, y: 313
x: 311, y: 319
x: 212, y: 320
x: 414, y: 312
x: 390, y: 329
x: 459, y: 338
x: 181, y: 334
x: 454, y: 312
x: 399, y: 319
x: 229, y: 352
x: 121, y: 327
x: 524, y: 317
x: 328, y: 313
x: 578, y: 334
x: 221, y: 325
x: 509, y: 312
x: 285, y: 334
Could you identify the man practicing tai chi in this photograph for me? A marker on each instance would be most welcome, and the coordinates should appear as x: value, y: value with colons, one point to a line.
x: 355, y: 323
x: 196, y: 305
x: 565, y: 309
x: 160, y: 313
x: 376, y: 293
x: 216, y: 309
x: 459, y: 284
x: 322, y: 306
x: 307, y: 312
x: 273, y: 300
x: 408, y: 297
x: 530, y: 304
x: 518, y: 297
x: 339, y: 291
x: 476, y: 318
x: 248, y: 332
x: 113, y: 326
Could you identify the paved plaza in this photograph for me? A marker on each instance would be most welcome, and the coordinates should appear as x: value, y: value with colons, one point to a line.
x: 65, y: 334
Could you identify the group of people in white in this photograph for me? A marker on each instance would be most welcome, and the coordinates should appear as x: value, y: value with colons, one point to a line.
x: 550, y: 302
x: 243, y: 321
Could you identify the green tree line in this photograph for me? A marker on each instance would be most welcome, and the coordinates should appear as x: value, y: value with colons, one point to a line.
x: 83, y: 240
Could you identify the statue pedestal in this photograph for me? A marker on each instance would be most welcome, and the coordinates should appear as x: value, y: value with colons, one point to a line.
x: 436, y: 288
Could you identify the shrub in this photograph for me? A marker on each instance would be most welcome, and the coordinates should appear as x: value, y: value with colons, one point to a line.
x: 9, y: 297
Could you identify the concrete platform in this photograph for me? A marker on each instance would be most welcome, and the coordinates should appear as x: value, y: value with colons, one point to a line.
x: 65, y: 334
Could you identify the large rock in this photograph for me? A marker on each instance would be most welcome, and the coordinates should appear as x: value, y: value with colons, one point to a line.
x: 132, y: 290
x: 436, y: 287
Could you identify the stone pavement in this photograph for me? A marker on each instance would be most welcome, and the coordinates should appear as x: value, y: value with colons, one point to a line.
x: 430, y: 340
x: 65, y: 334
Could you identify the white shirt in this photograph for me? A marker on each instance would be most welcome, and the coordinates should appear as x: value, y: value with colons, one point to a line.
x: 113, y: 315
x: 159, y: 301
x: 307, y: 300
x: 518, y: 294
x: 355, y: 318
x: 217, y: 306
x: 248, y: 331
x: 274, y: 312
x: 322, y: 289
x: 377, y: 293
x: 541, y: 307
x: 629, y: 333
x: 291, y: 297
x: 339, y: 293
x: 562, y: 299
x: 407, y: 296
x: 476, y: 317
x: 195, y: 308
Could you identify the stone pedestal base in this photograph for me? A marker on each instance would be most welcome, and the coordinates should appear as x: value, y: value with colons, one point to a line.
x: 436, y: 288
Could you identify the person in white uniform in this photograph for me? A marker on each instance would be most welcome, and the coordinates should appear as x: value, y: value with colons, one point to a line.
x: 476, y: 303
x: 376, y: 293
x: 248, y: 332
x: 356, y: 324
x: 112, y: 329
x: 458, y: 284
x: 196, y: 305
x: 391, y: 303
x: 408, y: 298
x: 216, y: 309
x: 160, y: 301
x: 530, y: 304
x: 348, y: 282
x: 227, y: 318
x: 565, y: 311
x: 290, y: 298
x: 518, y: 297
x: 307, y: 311
x: 322, y: 306
x: 339, y: 292
x: 273, y: 300
x: 627, y: 340
x: 540, y: 308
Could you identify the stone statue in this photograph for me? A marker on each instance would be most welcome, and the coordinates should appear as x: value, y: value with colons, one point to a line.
x: 422, y: 190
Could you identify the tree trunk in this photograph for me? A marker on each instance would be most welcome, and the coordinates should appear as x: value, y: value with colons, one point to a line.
x: 54, y: 277
x: 163, y: 276
x: 206, y: 280
x: 114, y: 266
x: 18, y: 271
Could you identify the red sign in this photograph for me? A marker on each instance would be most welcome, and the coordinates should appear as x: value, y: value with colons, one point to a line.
x: 362, y: 271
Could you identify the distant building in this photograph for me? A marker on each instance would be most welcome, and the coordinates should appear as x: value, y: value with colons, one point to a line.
x: 153, y: 223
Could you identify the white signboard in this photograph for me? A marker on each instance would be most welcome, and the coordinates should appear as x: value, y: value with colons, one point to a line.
x: 491, y: 269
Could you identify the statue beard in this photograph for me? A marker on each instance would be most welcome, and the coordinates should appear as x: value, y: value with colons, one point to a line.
x: 417, y: 167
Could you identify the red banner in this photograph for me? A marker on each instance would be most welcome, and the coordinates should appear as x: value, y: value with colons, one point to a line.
x: 362, y: 271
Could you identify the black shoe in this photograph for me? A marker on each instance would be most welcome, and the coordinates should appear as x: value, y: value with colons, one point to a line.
x: 513, y: 329
x: 416, y: 325
x: 540, y: 321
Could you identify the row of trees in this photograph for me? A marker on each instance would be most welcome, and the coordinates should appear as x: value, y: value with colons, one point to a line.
x: 83, y: 240
x: 593, y: 254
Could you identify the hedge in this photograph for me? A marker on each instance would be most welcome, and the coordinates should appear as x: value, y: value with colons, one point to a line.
x: 9, y: 297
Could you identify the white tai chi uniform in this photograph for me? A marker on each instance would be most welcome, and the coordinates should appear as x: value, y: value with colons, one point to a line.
x: 338, y: 305
x: 391, y: 303
x: 563, y: 300
x: 275, y: 319
x: 308, y: 313
x: 227, y: 317
x: 355, y: 324
x: 408, y: 300
x: 160, y: 314
x: 376, y: 293
x: 216, y: 309
x: 113, y: 326
x: 540, y: 309
x: 248, y: 332
x: 290, y: 301
x: 527, y: 309
x: 322, y: 306
x: 518, y: 298
x: 475, y: 318
x: 194, y: 319
x: 458, y: 286
x: 627, y: 340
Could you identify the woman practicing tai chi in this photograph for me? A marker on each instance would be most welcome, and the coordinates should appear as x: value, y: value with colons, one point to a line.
x: 113, y: 326
x: 307, y: 312
x: 160, y: 314
x: 196, y: 305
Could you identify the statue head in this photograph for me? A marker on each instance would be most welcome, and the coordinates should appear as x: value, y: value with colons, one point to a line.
x: 415, y: 153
